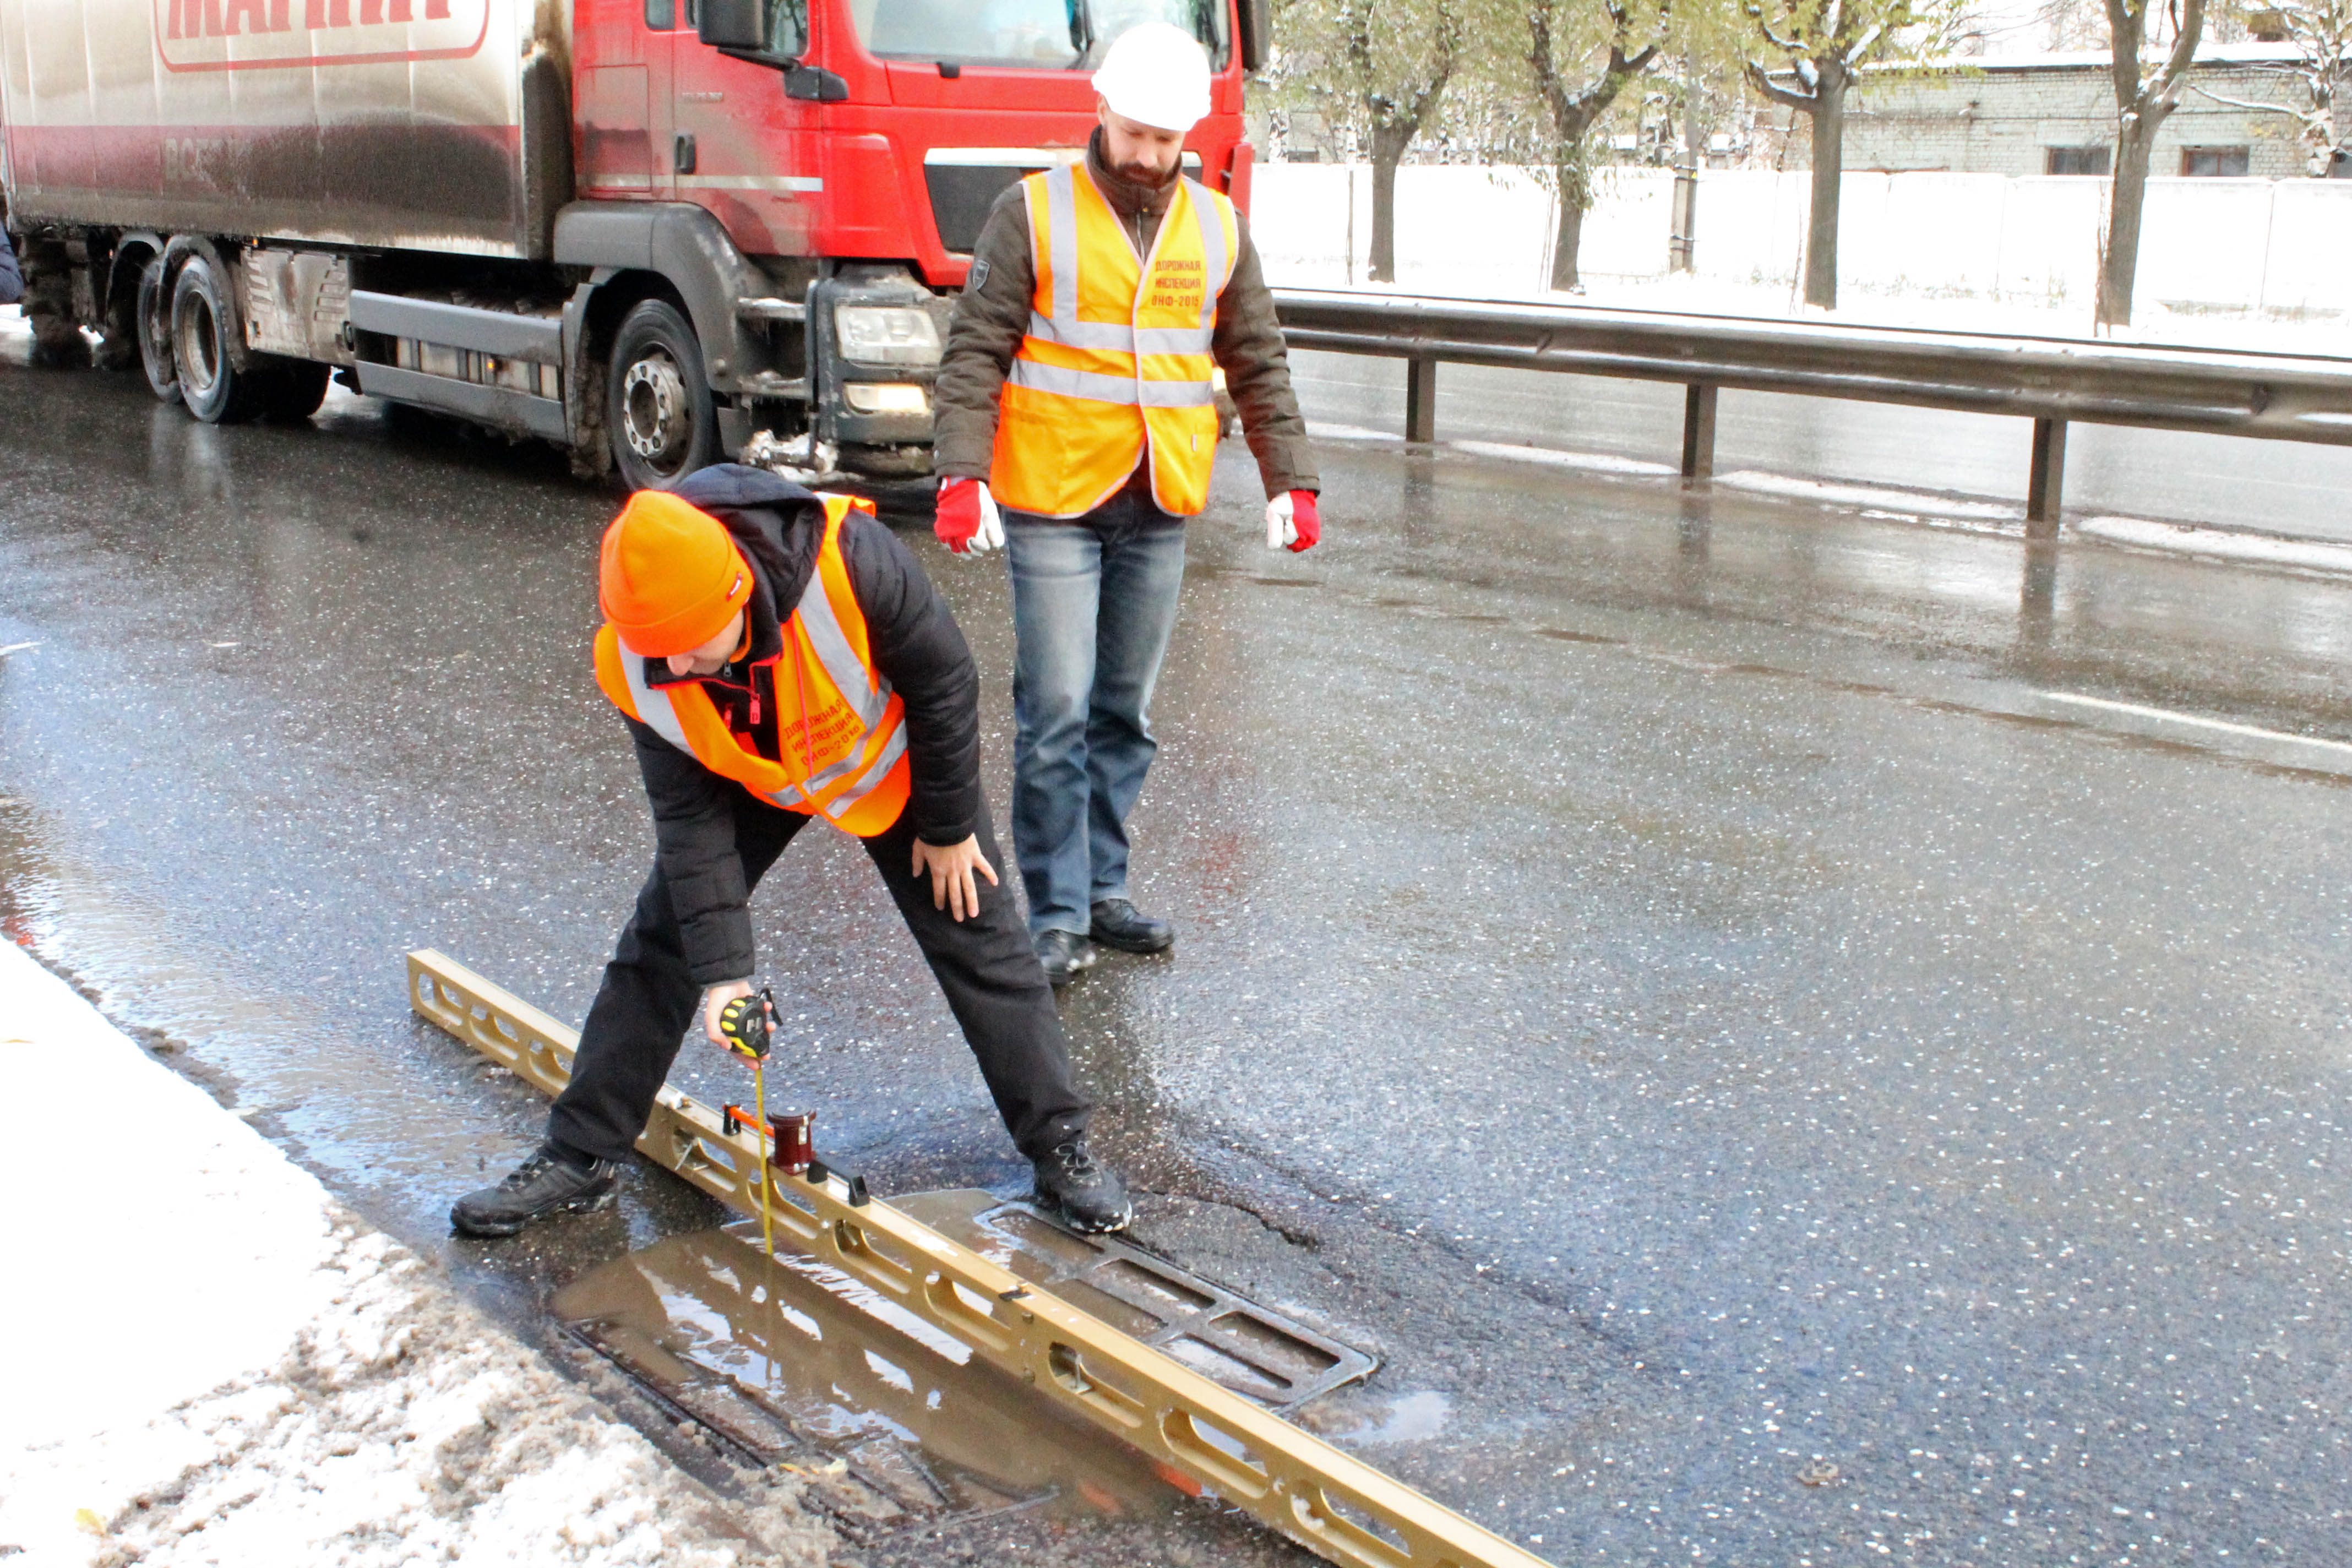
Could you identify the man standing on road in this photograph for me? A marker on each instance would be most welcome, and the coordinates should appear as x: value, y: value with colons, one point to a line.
x: 780, y: 656
x: 1076, y: 395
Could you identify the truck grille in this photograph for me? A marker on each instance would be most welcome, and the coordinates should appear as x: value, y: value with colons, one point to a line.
x: 964, y: 183
x: 961, y: 194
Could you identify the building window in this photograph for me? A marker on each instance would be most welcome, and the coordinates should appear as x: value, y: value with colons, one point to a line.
x: 2222, y: 162
x: 2075, y: 159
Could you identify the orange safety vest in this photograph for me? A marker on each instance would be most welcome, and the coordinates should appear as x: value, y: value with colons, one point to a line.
x: 1117, y: 356
x: 842, y: 730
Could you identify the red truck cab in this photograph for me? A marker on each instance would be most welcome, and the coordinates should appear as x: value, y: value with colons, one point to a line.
x: 866, y: 139
x: 894, y: 126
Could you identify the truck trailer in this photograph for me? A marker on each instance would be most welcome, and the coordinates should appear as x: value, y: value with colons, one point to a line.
x: 656, y: 232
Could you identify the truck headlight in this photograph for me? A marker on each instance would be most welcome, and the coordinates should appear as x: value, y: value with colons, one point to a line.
x: 887, y: 334
x: 885, y: 397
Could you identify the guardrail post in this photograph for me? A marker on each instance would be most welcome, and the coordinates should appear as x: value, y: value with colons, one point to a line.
x: 2046, y: 483
x: 1421, y: 399
x: 1698, y: 431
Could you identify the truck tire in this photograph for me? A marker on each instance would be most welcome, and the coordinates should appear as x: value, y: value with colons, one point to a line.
x: 214, y: 389
x: 153, y: 317
x: 293, y: 389
x: 658, y: 415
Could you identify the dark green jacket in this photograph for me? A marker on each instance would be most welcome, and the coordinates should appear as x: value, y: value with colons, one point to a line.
x: 993, y: 316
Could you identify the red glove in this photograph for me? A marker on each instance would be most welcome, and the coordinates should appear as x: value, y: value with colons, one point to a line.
x: 1306, y: 520
x: 967, y: 523
x: 1292, y: 522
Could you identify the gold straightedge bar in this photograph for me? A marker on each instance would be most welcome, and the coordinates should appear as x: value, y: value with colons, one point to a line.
x: 1333, y: 1505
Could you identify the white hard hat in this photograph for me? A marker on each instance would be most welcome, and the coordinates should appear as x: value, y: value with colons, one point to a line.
x: 1155, y: 73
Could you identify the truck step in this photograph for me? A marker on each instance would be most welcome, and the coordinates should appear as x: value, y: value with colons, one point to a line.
x: 769, y: 384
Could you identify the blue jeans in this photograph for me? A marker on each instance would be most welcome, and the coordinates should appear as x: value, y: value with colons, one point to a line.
x: 1093, y: 600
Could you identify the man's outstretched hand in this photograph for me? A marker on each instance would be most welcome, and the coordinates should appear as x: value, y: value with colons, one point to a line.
x: 955, y: 869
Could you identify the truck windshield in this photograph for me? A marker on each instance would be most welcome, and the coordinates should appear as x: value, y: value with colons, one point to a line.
x: 1040, y: 35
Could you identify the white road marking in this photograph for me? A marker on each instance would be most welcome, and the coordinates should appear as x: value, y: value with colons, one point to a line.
x: 2166, y: 716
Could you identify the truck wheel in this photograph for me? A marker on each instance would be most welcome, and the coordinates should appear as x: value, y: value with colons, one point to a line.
x: 293, y: 390
x: 154, y: 317
x: 213, y: 388
x: 658, y: 410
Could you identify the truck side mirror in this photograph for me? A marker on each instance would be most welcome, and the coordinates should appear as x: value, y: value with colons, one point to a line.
x: 733, y: 24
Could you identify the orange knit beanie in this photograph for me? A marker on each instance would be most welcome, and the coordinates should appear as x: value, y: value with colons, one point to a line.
x: 670, y: 578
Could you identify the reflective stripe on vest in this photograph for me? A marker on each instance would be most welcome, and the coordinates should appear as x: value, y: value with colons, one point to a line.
x: 851, y: 769
x: 1115, y: 369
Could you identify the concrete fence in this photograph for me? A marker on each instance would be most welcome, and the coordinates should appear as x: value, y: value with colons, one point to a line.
x: 2281, y: 248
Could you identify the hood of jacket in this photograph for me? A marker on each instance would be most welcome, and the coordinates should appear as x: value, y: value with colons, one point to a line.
x: 779, y: 526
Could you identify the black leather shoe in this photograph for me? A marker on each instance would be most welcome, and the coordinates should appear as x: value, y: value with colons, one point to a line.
x: 1090, y: 1196
x: 1120, y: 924
x: 1065, y: 955
x: 546, y: 1183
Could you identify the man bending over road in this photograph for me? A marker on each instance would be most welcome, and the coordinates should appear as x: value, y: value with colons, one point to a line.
x: 779, y: 656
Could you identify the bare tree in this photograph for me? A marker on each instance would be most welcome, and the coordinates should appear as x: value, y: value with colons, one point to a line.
x: 2071, y: 23
x: 1572, y: 109
x: 2321, y: 31
x: 2145, y: 97
x: 1821, y: 46
x: 1380, y: 69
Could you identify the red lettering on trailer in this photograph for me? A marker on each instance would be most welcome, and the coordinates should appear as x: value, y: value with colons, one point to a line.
x: 464, y: 24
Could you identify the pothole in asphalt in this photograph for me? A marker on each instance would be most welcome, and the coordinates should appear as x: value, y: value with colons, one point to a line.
x: 789, y: 1361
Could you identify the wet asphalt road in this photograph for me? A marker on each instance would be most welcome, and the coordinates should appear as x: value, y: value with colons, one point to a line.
x: 1775, y: 1083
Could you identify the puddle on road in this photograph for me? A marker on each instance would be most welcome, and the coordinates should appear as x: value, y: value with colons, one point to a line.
x: 792, y: 1361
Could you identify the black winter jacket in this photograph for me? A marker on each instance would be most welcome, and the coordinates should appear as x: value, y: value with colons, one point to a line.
x: 916, y: 645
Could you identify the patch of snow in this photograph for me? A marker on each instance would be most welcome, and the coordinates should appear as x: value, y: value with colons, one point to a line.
x: 212, y: 1362
x: 1591, y: 462
x: 1882, y: 500
x: 2219, y: 544
x: 1332, y: 432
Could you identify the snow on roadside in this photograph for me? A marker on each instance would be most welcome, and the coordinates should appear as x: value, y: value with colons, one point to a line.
x: 1592, y: 462
x: 2220, y: 544
x: 212, y: 1362
x: 1883, y: 499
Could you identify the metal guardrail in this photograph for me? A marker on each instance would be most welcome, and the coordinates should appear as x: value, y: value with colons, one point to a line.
x: 2051, y: 381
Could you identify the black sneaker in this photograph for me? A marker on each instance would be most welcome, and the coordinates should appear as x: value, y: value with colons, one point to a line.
x: 1120, y: 924
x: 546, y: 1183
x: 1090, y: 1196
x: 1065, y: 955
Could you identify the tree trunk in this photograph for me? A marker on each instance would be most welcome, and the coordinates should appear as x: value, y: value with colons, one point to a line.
x: 1564, y: 278
x: 1389, y: 143
x: 2119, y: 268
x: 1829, y: 179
